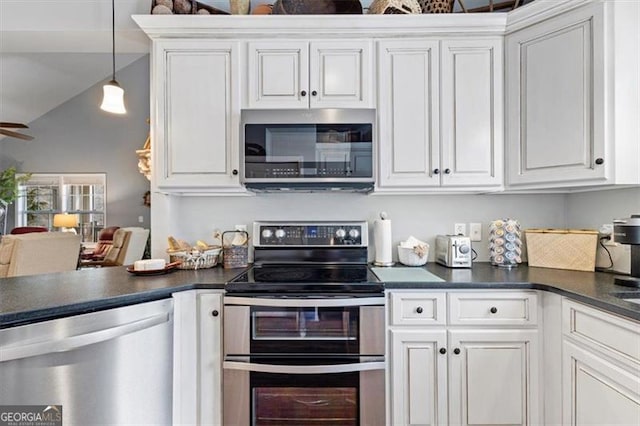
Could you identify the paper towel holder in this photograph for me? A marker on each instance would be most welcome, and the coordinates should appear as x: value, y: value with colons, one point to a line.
x: 378, y: 244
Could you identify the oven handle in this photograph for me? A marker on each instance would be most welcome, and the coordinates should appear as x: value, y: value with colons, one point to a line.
x: 304, y: 302
x: 303, y: 369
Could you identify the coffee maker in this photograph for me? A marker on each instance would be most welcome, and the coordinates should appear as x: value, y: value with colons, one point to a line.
x: 627, y: 231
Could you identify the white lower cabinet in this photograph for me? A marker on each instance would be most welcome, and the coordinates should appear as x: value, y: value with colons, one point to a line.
x: 442, y: 373
x: 601, y: 367
x: 493, y: 377
x: 197, y: 358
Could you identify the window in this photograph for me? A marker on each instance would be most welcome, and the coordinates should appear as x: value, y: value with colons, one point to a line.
x: 44, y: 195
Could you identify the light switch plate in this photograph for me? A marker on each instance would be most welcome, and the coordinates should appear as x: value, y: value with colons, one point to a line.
x: 475, y: 231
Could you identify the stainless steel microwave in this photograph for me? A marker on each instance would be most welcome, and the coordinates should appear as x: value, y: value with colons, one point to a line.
x: 307, y: 150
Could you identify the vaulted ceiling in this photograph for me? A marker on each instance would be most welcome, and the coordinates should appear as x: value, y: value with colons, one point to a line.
x: 52, y: 50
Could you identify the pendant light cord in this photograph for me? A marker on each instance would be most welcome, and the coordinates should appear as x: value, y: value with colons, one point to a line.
x: 113, y: 37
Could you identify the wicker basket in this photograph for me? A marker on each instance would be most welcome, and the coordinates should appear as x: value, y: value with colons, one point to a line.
x: 436, y: 6
x: 196, y: 259
x: 235, y: 255
x: 562, y: 248
x: 390, y: 7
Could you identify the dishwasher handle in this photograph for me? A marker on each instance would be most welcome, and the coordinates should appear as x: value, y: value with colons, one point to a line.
x: 75, y: 342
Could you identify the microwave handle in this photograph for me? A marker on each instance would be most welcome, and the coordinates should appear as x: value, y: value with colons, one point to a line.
x: 304, y: 369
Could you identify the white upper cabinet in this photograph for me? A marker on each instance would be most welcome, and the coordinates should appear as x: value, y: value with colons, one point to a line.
x: 440, y: 110
x: 472, y: 112
x: 408, y: 104
x: 570, y: 95
x: 300, y: 74
x: 195, y: 110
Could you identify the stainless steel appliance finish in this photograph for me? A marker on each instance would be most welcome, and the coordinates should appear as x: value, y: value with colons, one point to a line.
x: 307, y: 150
x: 453, y: 251
x: 627, y: 231
x: 320, y: 353
x: 304, y: 330
x: 106, y: 367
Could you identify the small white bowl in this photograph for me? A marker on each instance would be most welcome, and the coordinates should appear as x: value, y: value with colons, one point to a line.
x: 408, y: 257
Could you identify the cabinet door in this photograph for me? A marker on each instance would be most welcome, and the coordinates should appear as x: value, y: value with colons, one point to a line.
x: 278, y: 74
x: 597, y: 392
x: 418, y: 377
x: 195, y: 139
x: 472, y: 112
x: 555, y: 126
x: 408, y: 103
x: 197, y: 358
x: 340, y: 74
x: 493, y: 377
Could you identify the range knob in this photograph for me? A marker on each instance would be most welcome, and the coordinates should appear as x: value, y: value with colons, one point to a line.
x: 341, y: 233
x: 354, y: 233
x: 280, y: 233
x: 267, y: 233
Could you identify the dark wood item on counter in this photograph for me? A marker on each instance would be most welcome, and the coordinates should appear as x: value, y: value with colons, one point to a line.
x: 317, y: 7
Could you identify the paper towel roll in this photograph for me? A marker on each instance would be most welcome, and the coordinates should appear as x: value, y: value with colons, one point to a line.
x: 382, y: 241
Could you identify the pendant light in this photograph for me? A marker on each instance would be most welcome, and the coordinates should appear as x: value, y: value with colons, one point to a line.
x: 113, y: 94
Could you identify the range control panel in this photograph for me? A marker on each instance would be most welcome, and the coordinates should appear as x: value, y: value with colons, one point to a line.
x: 311, y: 234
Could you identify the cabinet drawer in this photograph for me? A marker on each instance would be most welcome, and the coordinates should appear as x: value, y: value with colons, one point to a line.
x: 618, y: 337
x: 495, y: 308
x: 417, y: 308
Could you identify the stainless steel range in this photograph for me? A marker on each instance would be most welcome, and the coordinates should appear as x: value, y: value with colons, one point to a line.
x: 304, y: 330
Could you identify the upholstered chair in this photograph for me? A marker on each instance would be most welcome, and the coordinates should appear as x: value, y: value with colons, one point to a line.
x: 105, y: 241
x: 38, y: 253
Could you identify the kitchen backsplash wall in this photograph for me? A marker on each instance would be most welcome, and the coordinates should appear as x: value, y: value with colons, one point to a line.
x: 423, y: 216
x: 593, y: 209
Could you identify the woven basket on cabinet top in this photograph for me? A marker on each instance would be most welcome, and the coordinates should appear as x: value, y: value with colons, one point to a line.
x: 394, y: 7
x: 436, y: 6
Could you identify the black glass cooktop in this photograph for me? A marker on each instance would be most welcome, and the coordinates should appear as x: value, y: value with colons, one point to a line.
x: 306, y: 279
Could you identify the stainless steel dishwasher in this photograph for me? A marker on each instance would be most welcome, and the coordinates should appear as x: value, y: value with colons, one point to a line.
x: 107, y: 367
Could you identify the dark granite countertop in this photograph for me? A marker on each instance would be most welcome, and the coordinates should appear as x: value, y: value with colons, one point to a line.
x: 42, y: 297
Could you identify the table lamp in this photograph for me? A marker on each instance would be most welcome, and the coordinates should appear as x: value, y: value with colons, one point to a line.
x: 67, y: 222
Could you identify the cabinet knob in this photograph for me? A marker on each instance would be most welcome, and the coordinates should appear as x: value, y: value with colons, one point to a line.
x: 456, y: 351
x: 436, y: 171
x: 215, y: 313
x: 447, y: 171
x: 303, y: 93
x: 419, y: 309
x: 599, y: 161
x: 234, y: 172
x: 314, y: 93
x: 493, y: 310
x: 443, y: 351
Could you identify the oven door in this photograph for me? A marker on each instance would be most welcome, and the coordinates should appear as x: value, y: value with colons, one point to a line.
x: 304, y: 361
x: 260, y: 394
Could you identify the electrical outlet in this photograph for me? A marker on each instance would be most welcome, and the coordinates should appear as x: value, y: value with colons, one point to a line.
x: 475, y: 231
x: 140, y: 219
x: 241, y: 227
x: 460, y: 229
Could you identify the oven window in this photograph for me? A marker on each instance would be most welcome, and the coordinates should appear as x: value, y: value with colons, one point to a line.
x: 304, y: 400
x: 335, y: 324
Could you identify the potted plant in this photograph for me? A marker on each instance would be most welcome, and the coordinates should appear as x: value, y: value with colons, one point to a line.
x: 9, y: 192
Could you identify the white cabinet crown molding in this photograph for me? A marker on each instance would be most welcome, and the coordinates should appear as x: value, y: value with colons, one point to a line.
x: 309, y: 27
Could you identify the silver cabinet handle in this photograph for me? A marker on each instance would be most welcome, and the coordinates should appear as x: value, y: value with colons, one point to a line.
x: 303, y: 369
x: 74, y: 342
x: 303, y: 302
